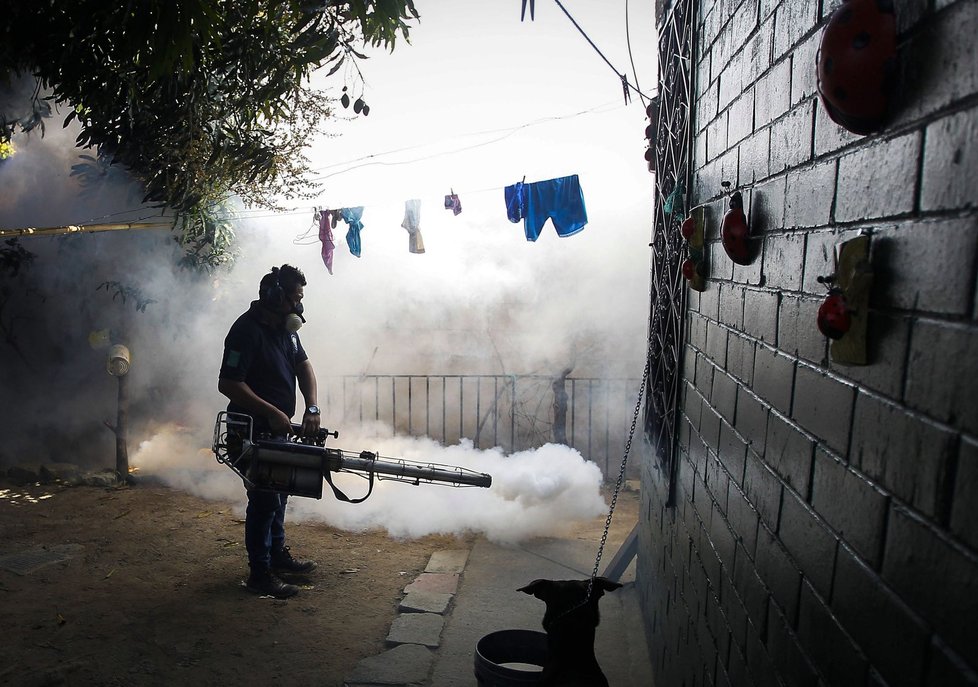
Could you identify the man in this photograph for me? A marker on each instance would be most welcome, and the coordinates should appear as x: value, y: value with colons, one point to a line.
x: 263, y: 359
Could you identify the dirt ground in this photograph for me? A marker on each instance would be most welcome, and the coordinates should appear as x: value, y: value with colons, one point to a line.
x: 152, y: 592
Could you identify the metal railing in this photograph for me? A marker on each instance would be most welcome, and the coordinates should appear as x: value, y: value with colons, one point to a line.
x: 512, y: 412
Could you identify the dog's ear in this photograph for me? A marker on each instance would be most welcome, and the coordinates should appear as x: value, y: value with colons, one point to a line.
x: 537, y: 588
x: 606, y: 585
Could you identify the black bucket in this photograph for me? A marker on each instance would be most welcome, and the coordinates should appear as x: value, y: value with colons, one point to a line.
x: 510, y: 658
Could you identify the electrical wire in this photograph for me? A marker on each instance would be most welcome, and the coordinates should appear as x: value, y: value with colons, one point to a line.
x: 620, y: 75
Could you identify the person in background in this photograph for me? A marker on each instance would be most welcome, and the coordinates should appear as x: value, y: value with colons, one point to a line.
x: 263, y: 360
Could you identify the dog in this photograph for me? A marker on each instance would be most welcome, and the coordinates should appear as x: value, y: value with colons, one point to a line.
x: 570, y: 622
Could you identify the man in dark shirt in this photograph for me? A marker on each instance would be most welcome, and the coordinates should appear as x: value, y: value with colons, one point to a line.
x: 263, y: 359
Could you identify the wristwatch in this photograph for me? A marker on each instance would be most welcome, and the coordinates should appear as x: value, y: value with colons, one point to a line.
x: 313, y: 410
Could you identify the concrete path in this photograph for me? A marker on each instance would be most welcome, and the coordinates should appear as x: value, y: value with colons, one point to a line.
x: 464, y: 595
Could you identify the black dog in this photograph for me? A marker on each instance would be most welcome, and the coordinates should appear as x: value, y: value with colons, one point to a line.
x: 570, y: 623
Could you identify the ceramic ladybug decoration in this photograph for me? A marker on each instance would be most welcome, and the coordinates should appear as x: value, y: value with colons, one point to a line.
x: 857, y: 64
x: 734, y: 233
x: 689, y: 269
x: 834, y: 319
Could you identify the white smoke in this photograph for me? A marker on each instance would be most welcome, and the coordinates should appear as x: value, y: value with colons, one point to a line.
x: 540, y: 492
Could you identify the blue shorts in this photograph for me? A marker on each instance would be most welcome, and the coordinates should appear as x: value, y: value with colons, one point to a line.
x: 560, y: 200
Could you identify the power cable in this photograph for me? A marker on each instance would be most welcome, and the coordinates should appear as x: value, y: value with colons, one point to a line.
x: 620, y: 75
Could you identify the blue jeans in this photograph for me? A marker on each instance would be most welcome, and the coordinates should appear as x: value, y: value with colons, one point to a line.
x: 264, y: 527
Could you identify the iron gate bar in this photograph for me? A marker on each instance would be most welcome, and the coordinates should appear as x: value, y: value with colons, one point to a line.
x: 673, y: 173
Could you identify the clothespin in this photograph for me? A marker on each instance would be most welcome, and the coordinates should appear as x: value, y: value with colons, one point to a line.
x: 523, y: 13
x: 524, y: 179
x: 624, y: 87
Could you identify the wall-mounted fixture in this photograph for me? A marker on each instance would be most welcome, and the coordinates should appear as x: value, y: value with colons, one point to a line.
x: 844, y: 314
x: 857, y: 64
x: 735, y: 232
x: 694, y: 267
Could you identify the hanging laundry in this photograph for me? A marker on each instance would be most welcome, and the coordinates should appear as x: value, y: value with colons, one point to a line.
x: 326, y: 221
x: 560, y: 200
x: 412, y: 222
x: 515, y: 201
x: 352, y: 217
x: 453, y: 203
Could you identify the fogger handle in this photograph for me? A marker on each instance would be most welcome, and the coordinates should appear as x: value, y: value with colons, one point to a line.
x: 319, y: 437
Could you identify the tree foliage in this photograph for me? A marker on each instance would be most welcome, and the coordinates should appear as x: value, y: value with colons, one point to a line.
x: 199, y: 99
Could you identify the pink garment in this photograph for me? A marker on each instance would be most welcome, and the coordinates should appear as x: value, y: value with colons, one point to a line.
x: 327, y: 221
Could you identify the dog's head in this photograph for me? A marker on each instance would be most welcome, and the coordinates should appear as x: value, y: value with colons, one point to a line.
x: 568, y: 600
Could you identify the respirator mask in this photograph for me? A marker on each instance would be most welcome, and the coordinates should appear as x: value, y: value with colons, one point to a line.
x: 294, y: 320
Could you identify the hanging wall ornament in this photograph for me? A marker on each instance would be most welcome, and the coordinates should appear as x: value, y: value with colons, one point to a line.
x: 735, y: 232
x: 857, y: 64
x: 844, y: 314
x: 694, y: 267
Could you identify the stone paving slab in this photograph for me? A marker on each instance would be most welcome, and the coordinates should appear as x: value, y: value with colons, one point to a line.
x: 443, y: 583
x: 406, y: 664
x: 425, y: 602
x: 447, y: 561
x: 417, y: 628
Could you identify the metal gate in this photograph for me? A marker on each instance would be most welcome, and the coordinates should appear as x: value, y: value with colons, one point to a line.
x: 671, y: 116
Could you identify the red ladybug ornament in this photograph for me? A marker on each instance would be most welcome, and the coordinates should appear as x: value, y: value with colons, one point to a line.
x: 857, y: 64
x: 688, y: 227
x: 734, y: 233
x: 689, y: 269
x: 834, y: 319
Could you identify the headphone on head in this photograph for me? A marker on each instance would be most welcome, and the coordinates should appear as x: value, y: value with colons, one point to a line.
x: 272, y: 294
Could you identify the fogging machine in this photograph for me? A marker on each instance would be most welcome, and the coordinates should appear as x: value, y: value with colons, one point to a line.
x: 298, y: 465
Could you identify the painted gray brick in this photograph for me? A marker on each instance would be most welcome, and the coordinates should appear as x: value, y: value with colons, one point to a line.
x: 767, y: 206
x: 941, y: 371
x: 743, y: 519
x: 761, y: 315
x: 809, y: 196
x: 749, y: 587
x: 803, y: 72
x: 964, y: 506
x: 906, y: 455
x: 740, y: 118
x: 820, y: 258
x: 829, y: 136
x: 757, y: 52
x: 763, y: 488
x: 774, y: 378
x: 732, y: 305
x: 947, y: 669
x: 792, y: 21
x: 772, y: 94
x: 706, y: 107
x: 947, y: 42
x: 823, y: 406
x: 882, y: 625
x: 716, y: 344
x: 809, y: 542
x: 733, y: 452
x: 851, y: 505
x: 789, y: 453
x: 716, y: 136
x: 758, y: 660
x: 740, y: 357
x: 786, y: 653
x: 779, y: 572
x: 751, y: 420
x: 723, y: 541
x: 783, y: 254
x: 791, y: 138
x: 832, y: 651
x: 950, y: 158
x: 724, y: 397
x: 878, y: 180
x: 887, y: 338
x: 710, y: 302
x: 732, y: 80
x: 798, y: 330
x: 753, y: 157
x: 934, y: 577
x: 696, y: 335
x: 710, y: 428
x: 704, y: 375
x: 928, y: 266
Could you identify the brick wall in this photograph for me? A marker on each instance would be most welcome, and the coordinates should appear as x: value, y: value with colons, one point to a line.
x: 826, y: 524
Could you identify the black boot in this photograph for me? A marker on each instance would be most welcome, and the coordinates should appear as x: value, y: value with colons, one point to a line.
x: 265, y: 583
x: 282, y: 561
